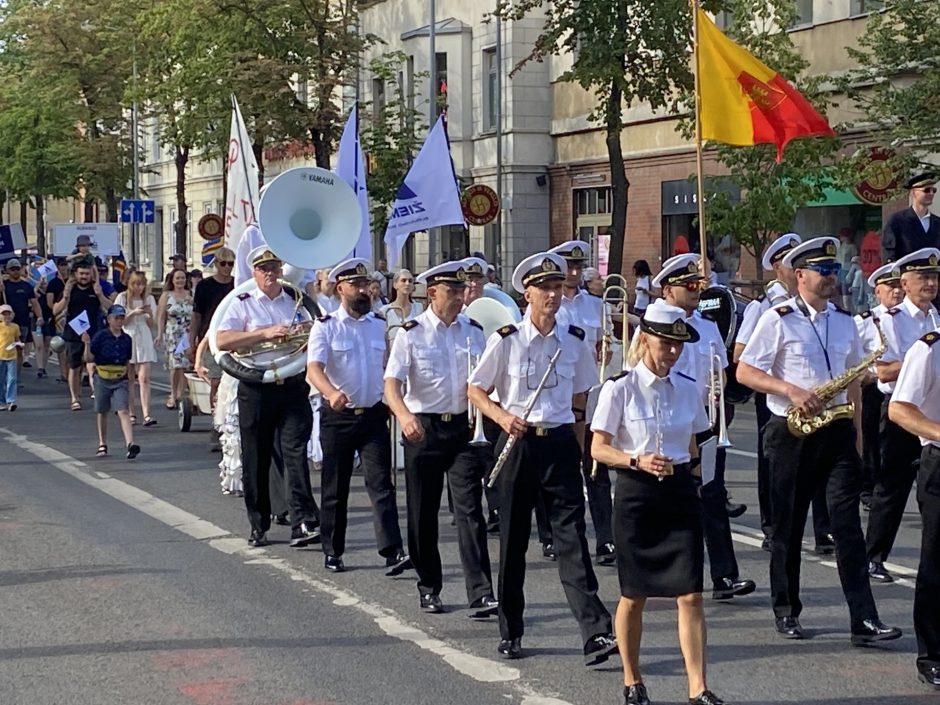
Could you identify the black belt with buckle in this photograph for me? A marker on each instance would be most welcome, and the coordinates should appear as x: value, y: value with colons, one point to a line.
x: 446, y: 418
x: 545, y: 431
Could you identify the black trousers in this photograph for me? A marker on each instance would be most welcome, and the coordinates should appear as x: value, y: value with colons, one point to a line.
x: 872, y: 399
x: 266, y: 413
x: 722, y: 562
x: 799, y: 467
x: 927, y: 588
x: 900, y: 456
x: 446, y: 451
x: 342, y: 434
x: 547, y: 468
x: 600, y: 501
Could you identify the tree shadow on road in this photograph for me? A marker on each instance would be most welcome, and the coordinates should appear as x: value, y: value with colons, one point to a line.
x: 10, y: 578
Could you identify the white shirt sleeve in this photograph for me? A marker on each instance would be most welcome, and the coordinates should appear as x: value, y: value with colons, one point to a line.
x: 748, y: 322
x: 488, y: 368
x: 608, y: 416
x: 700, y: 423
x: 762, y: 349
x: 912, y: 386
x: 399, y: 359
x: 893, y: 352
x: 585, y: 371
x: 235, y: 317
x: 857, y: 350
x: 318, y: 345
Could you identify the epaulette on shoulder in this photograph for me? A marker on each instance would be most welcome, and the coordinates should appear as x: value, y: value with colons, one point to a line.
x: 475, y: 324
x: 783, y: 310
x: 408, y: 325
x: 507, y: 330
x: 619, y: 376
x: 838, y: 308
x: 893, y: 311
x: 242, y: 297
x: 378, y: 315
x: 576, y: 332
x: 931, y: 338
x: 865, y: 314
x: 685, y: 376
x: 324, y: 319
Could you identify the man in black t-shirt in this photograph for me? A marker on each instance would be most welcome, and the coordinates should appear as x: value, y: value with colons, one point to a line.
x: 82, y: 292
x: 21, y: 296
x: 54, y: 291
x: 208, y: 296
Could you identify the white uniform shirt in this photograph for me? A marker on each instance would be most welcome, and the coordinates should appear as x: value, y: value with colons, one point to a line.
x: 254, y: 310
x: 515, y: 364
x: 784, y: 346
x: 752, y: 313
x: 627, y: 410
x: 352, y: 352
x: 584, y: 311
x: 865, y: 325
x: 919, y: 382
x: 902, y: 326
x: 432, y: 357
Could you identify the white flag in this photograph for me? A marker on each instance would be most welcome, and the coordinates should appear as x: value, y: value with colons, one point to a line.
x: 241, y: 201
x: 351, y: 167
x: 429, y: 196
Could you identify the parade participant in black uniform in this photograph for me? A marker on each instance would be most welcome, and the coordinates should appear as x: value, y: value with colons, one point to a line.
x: 545, y: 459
x: 796, y: 347
x: 914, y: 227
x: 264, y: 410
x: 645, y: 427
x: 886, y: 282
x: 900, y: 450
x: 431, y: 356
x: 682, y: 284
x: 345, y: 361
x: 915, y: 407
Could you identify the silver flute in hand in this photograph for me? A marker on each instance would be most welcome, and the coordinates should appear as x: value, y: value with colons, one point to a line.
x: 511, y: 441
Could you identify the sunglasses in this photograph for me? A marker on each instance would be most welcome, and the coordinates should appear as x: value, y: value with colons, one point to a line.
x: 929, y: 189
x: 825, y: 270
x: 225, y: 263
x: 695, y: 285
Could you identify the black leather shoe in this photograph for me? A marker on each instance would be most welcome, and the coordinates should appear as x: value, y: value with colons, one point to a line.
x: 734, y: 510
x: 726, y: 588
x: 280, y: 519
x: 599, y: 648
x: 706, y: 697
x: 635, y: 695
x: 398, y: 564
x: 492, y: 522
x: 789, y: 627
x: 825, y: 545
x: 872, y: 630
x: 432, y: 604
x: 607, y: 554
x: 929, y: 674
x: 484, y: 608
x: 878, y: 572
x: 304, y: 535
x: 334, y: 564
x: 257, y: 539
x: 510, y: 648
x: 548, y: 551
x: 765, y: 544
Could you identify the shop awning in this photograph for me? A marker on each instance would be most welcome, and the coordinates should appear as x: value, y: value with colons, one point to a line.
x: 835, y: 197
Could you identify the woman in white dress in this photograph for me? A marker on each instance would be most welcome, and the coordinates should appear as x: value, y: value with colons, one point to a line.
x: 140, y: 323
x: 402, y: 309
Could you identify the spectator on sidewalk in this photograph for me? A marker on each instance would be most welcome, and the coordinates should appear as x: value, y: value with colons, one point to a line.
x: 174, y: 314
x: 21, y: 297
x: 110, y: 350
x: 9, y: 344
x: 54, y: 291
x: 140, y: 323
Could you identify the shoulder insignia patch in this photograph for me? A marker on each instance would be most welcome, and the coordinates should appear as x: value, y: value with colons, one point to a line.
x: 618, y: 376
x: 783, y: 310
x: 324, y: 319
x: 685, y: 376
x: 475, y: 324
x: 576, y: 332
x: 931, y: 338
x: 893, y: 311
x: 242, y: 297
x: 507, y: 330
x: 378, y: 315
x: 408, y: 325
x: 838, y: 308
x: 866, y: 314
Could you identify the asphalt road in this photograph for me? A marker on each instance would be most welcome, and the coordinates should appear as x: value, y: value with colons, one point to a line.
x: 130, y: 582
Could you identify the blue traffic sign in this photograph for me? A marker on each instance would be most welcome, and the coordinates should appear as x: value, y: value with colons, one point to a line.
x: 137, y: 211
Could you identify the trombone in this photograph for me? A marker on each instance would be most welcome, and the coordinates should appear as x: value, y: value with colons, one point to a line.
x: 475, y: 415
x: 608, y: 335
x: 716, y: 397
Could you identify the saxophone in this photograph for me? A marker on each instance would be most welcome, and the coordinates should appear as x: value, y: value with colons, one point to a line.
x: 802, y: 424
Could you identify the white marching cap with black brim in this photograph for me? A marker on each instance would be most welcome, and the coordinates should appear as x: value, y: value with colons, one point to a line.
x: 778, y: 249
x: 450, y: 273
x: 885, y: 274
x: 350, y: 270
x: 537, y: 269
x: 667, y: 321
x: 819, y: 250
x: 679, y: 270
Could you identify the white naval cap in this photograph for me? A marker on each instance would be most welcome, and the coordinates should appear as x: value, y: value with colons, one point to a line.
x: 819, y: 250
x: 667, y: 321
x: 778, y: 249
x: 450, y: 273
x: 262, y: 254
x: 537, y: 269
x: 475, y: 266
x: 678, y: 270
x: 926, y: 259
x: 573, y: 251
x: 884, y: 274
x: 355, y: 268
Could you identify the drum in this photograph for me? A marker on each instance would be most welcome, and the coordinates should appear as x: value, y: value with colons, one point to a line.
x: 726, y: 309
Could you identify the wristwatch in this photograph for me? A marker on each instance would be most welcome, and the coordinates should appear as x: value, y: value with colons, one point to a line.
x: 635, y: 462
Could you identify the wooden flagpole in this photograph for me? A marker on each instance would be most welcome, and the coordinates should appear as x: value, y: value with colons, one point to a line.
x: 699, y: 165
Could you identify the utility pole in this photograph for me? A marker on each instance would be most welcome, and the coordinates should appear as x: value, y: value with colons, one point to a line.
x: 498, y: 255
x: 135, y: 151
x: 433, y: 233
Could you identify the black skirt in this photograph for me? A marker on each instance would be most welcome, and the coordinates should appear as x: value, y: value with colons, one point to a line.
x: 658, y: 533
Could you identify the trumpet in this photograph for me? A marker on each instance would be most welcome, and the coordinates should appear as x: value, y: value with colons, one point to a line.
x: 716, y: 397
x: 476, y: 416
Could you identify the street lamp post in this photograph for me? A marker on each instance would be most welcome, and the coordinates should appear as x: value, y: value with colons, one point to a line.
x: 135, y: 176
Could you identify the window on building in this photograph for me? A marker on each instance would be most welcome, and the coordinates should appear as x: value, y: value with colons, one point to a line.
x: 863, y: 7
x: 593, y: 201
x: 440, y: 82
x: 378, y: 98
x: 490, y: 98
x: 804, y: 12
x: 301, y: 91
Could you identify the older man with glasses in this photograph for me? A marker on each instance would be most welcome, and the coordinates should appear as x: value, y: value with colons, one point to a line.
x: 914, y: 227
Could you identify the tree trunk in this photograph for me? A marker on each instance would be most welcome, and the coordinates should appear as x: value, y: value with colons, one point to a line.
x: 40, y: 225
x: 181, y: 158
x: 619, y: 185
x: 89, y: 207
x: 24, y: 213
x: 258, y: 150
x: 111, y: 204
x: 321, y: 147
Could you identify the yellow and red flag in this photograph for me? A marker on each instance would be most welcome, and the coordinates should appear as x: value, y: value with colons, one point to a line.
x: 743, y: 102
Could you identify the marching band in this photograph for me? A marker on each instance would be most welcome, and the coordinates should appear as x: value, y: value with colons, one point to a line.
x: 501, y: 411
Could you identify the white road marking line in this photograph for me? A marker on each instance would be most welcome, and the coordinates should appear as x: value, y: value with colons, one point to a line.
x: 480, y: 669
